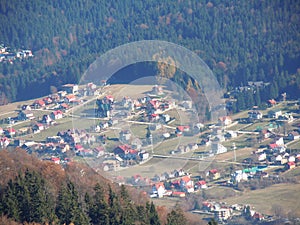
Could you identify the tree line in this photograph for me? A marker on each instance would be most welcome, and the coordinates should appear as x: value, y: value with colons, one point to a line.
x: 28, y: 198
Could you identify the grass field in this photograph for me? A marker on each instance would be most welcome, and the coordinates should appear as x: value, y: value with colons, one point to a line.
x: 286, y: 196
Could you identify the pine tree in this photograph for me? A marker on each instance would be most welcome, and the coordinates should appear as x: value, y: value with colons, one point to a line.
x: 114, y: 208
x: 153, y: 216
x: 257, y: 99
x: 68, y: 209
x: 97, y: 207
x: 212, y: 222
x: 128, y: 215
x: 176, y: 217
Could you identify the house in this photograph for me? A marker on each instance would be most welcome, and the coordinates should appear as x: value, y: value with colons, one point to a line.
x: 109, y: 99
x: 159, y: 189
x: 224, y: 121
x: 64, y: 106
x: 182, y: 129
x: 25, y: 115
x: 69, y: 98
x: 166, y: 118
x: 279, y: 160
x: 231, y: 134
x: 56, y: 160
x: 292, y: 158
x: 39, y: 103
x: 91, y: 89
x: 55, y: 139
x: 85, y: 152
x: 46, y: 119
x: 279, y: 141
x: 4, y: 142
x: 10, y: 132
x: 56, y: 115
x: 274, y: 114
x: 206, y: 142
x: 157, y: 90
x: 155, y: 126
x: 183, y: 149
x: 1, y: 131
x: 193, y: 146
x: 187, y: 184
x: 144, y: 155
x: 290, y: 165
x: 239, y: 175
x: 257, y: 216
x: 222, y: 213
x: 262, y: 157
x: 265, y: 134
x: 26, y: 107
x: 214, y: 174
x: 294, y: 135
x: 201, y: 184
x: 273, y: 146
x: 99, y: 151
x: 255, y: 115
x: 287, y: 117
x: 70, y: 88
x: 47, y: 100
x: 154, y: 117
x: 38, y: 127
x: 271, y: 102
x: 125, y: 152
x: 124, y: 136
x: 218, y: 148
x: 208, y: 206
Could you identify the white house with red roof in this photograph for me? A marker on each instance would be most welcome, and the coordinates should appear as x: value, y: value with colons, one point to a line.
x: 38, y: 127
x: 70, y: 88
x: 56, y: 115
x: 99, y: 151
x: 4, y: 142
x: 110, y: 98
x: 56, y: 160
x: 159, y: 189
x: 225, y: 120
x: 125, y: 152
x: 290, y: 165
x: 201, y: 184
x: 39, y: 103
x: 10, y: 132
x: 187, y: 184
x: 1, y: 131
x: 69, y: 98
x: 181, y: 129
x: 213, y: 174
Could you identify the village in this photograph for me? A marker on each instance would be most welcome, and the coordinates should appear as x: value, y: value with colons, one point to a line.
x: 7, y: 55
x: 120, y: 135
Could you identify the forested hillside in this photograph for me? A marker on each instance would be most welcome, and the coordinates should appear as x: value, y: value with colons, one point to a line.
x: 241, y: 41
x: 41, y: 192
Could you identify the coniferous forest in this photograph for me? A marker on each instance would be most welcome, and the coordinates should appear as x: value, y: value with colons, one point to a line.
x: 240, y: 41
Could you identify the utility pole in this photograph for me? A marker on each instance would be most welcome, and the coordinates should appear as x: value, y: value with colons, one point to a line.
x: 234, y: 153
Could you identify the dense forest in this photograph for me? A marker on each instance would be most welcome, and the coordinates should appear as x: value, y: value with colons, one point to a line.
x: 41, y: 192
x: 241, y: 41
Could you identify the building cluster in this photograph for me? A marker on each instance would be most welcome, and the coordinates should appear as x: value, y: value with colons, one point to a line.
x: 6, y: 55
x: 223, y: 212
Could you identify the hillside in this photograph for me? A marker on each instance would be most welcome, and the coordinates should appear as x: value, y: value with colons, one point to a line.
x: 240, y: 41
x: 37, y: 192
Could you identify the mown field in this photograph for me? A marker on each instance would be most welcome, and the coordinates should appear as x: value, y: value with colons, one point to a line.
x: 280, y: 196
